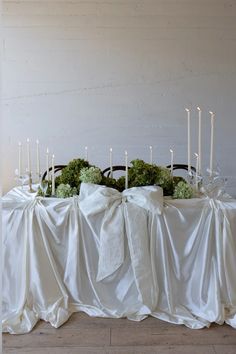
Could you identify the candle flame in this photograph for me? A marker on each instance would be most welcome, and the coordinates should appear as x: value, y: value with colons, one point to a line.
x: 150, y: 147
x: 126, y: 153
x: 196, y: 155
x: 20, y: 144
x: 110, y: 149
x: 199, y: 109
x: 37, y: 141
x: 47, y: 151
x: 171, y: 151
x: 187, y: 110
x: 211, y: 113
x: 53, y: 156
x: 86, y: 148
x: 28, y: 140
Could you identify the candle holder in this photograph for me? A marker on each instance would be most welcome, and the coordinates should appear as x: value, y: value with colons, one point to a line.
x: 214, y: 187
x: 21, y: 178
x: 190, y: 178
x: 31, y: 190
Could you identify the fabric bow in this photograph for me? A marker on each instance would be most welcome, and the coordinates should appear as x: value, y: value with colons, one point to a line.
x: 121, y: 210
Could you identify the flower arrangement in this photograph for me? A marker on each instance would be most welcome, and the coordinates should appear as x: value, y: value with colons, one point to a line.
x: 139, y: 174
x: 65, y: 191
x: 91, y: 175
x: 145, y: 174
x: 71, y: 173
x: 183, y: 191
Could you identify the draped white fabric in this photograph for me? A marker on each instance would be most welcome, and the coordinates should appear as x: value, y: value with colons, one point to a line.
x: 112, y: 254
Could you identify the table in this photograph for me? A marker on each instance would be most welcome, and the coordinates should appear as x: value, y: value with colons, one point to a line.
x: 118, y: 255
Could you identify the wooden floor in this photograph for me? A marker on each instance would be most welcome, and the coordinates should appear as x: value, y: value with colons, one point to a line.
x: 86, y: 335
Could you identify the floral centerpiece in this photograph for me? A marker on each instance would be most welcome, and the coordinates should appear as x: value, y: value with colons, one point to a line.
x: 139, y: 174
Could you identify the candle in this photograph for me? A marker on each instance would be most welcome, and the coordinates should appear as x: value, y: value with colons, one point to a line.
x: 37, y: 158
x: 199, y: 139
x: 53, y: 175
x: 151, y: 159
x: 212, y: 142
x: 171, y: 161
x: 126, y: 170
x: 86, y: 153
x: 111, y: 163
x: 20, y: 158
x: 189, y: 140
x: 28, y: 156
x: 47, y: 163
x: 197, y: 170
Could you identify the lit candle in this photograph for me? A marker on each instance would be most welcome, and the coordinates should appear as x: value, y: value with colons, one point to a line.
x: 199, y: 139
x: 151, y: 158
x: 111, y: 163
x: 38, y: 159
x: 28, y: 156
x: 53, y: 175
x: 86, y: 153
x: 171, y: 161
x: 212, y: 143
x: 20, y: 157
x: 126, y: 170
x: 197, y: 170
x: 47, y: 163
x: 189, y: 140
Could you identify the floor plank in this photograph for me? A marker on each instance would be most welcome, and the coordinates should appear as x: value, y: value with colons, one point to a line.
x: 206, y: 349
x: 98, y: 337
x: 81, y: 319
x: 179, y: 336
x: 225, y: 349
x: 87, y: 335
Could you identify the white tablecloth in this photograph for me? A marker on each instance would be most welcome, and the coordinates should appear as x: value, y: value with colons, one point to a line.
x: 118, y: 255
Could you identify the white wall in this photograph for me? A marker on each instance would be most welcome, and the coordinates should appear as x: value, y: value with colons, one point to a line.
x: 118, y: 73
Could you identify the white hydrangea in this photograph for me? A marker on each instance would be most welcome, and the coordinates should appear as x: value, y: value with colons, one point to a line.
x: 183, y: 191
x: 65, y: 191
x: 90, y: 175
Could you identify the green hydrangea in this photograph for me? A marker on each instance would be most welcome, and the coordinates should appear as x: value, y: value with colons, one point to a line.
x: 142, y: 173
x: 145, y: 174
x: 183, y: 191
x: 164, y: 179
x: 91, y: 175
x: 65, y: 191
x: 71, y: 173
x: 110, y: 182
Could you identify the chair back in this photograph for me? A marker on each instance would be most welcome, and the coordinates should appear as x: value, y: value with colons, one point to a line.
x: 57, y: 168
x: 179, y: 166
x: 107, y: 171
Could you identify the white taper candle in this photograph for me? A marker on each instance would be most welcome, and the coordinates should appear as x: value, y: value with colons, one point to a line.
x: 126, y: 170
x: 53, y: 175
x: 199, y: 139
x: 47, y: 163
x: 151, y: 155
x: 111, y: 163
x: 19, y: 158
x: 37, y: 158
x: 189, y: 140
x: 212, y: 143
x: 197, y: 170
x: 86, y: 153
x: 28, y: 156
x: 171, y: 161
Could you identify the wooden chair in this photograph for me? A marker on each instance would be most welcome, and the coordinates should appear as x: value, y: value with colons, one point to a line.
x: 107, y: 171
x: 57, y: 168
x: 179, y: 166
